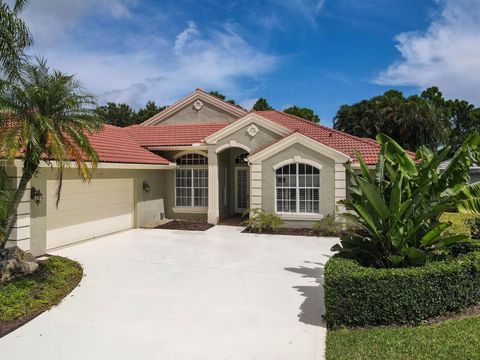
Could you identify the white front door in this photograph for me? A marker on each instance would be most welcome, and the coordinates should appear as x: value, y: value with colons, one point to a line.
x: 242, y: 196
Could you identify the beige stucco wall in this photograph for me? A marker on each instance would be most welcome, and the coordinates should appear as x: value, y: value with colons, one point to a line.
x: 147, y: 205
x: 207, y: 114
x: 327, y: 180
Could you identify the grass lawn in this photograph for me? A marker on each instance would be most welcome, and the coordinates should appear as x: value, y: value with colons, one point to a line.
x: 23, y: 299
x: 451, y: 339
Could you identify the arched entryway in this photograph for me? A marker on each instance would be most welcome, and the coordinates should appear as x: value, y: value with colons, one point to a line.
x: 233, y: 182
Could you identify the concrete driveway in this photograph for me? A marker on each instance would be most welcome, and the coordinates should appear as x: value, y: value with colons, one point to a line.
x: 170, y: 295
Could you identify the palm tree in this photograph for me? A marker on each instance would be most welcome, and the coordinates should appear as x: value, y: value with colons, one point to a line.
x: 45, y: 115
x: 14, y: 38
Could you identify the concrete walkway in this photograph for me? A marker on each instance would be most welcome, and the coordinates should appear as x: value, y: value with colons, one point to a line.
x: 178, y: 295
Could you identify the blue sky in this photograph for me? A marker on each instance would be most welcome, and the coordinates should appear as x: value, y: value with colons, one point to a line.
x: 313, y: 53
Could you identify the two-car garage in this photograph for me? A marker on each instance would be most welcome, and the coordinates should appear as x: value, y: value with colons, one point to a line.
x: 88, y: 209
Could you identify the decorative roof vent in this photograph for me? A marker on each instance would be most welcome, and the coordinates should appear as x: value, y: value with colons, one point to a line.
x: 197, y: 105
x: 252, y: 130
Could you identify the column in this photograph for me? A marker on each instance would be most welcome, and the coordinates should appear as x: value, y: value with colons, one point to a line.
x: 20, y: 235
x: 213, y: 210
x: 340, y: 186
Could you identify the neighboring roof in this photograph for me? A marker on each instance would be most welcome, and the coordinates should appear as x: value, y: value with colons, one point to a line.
x: 114, y: 145
x: 172, y: 135
x: 235, y: 110
x: 443, y: 165
x: 335, y: 139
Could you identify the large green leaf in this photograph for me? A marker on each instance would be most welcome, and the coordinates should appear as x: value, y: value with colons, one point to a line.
x: 469, y: 206
x: 363, y: 166
x: 405, y: 160
x: 374, y: 197
x: 416, y: 256
x: 433, y: 235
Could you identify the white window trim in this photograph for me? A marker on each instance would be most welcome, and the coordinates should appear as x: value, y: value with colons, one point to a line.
x: 297, y: 214
x: 192, y: 207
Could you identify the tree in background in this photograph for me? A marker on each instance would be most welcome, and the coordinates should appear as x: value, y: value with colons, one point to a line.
x: 116, y: 114
x: 464, y: 118
x: 14, y: 38
x: 123, y: 115
x: 150, y: 109
x: 262, y: 105
x: 222, y: 97
x: 412, y: 121
x: 305, y: 113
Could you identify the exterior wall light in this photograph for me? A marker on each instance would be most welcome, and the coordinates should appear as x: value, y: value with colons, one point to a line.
x: 36, y: 196
x: 146, y: 187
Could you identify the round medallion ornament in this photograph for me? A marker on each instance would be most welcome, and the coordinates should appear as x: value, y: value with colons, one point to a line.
x: 197, y: 105
x: 252, y: 130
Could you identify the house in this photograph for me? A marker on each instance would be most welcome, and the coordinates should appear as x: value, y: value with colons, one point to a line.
x: 200, y: 159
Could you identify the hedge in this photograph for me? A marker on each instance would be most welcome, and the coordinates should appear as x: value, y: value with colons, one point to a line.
x: 358, y: 296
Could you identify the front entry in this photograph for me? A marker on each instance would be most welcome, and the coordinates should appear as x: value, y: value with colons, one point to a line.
x: 242, y: 195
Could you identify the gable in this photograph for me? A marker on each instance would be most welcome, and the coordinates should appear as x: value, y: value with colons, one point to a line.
x: 198, y: 107
x: 298, y: 139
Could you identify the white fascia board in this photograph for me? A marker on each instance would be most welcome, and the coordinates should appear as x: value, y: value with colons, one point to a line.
x: 244, y: 121
x: 193, y: 147
x: 298, y: 138
x: 105, y: 165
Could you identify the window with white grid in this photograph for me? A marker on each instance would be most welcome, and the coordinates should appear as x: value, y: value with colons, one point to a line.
x: 191, y: 184
x: 192, y: 159
x: 298, y: 189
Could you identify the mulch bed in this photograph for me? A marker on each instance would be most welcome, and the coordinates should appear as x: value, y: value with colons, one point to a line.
x: 285, y: 231
x: 185, y: 225
x: 468, y: 312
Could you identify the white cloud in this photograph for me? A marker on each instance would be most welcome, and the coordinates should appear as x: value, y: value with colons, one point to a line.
x: 446, y: 55
x: 248, y: 103
x: 189, y: 34
x: 214, y: 60
x: 49, y: 20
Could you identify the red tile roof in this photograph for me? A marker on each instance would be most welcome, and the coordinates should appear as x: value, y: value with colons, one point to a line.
x: 335, y: 139
x: 114, y: 144
x: 172, y: 135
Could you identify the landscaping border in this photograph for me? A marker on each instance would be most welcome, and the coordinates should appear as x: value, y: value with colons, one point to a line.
x: 23, y: 299
x: 358, y: 296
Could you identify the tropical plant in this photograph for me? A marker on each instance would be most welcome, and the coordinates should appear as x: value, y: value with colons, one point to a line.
x: 44, y: 115
x: 6, y: 197
x: 260, y: 220
x: 14, y: 38
x: 328, y: 226
x: 398, y: 207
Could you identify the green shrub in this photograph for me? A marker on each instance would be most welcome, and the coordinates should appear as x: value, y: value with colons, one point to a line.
x: 327, y: 227
x: 474, y: 225
x: 357, y: 296
x: 259, y: 220
x: 459, y: 223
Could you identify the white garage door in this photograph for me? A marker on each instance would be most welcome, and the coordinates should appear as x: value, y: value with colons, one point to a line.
x: 88, y: 210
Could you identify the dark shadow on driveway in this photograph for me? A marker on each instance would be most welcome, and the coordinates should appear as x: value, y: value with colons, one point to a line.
x: 313, y: 308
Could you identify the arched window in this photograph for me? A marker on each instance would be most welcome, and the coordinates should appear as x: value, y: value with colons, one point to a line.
x: 298, y: 189
x: 191, y: 181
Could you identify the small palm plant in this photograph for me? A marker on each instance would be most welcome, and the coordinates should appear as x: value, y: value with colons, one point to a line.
x: 398, y: 206
x: 260, y: 220
x: 45, y: 115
